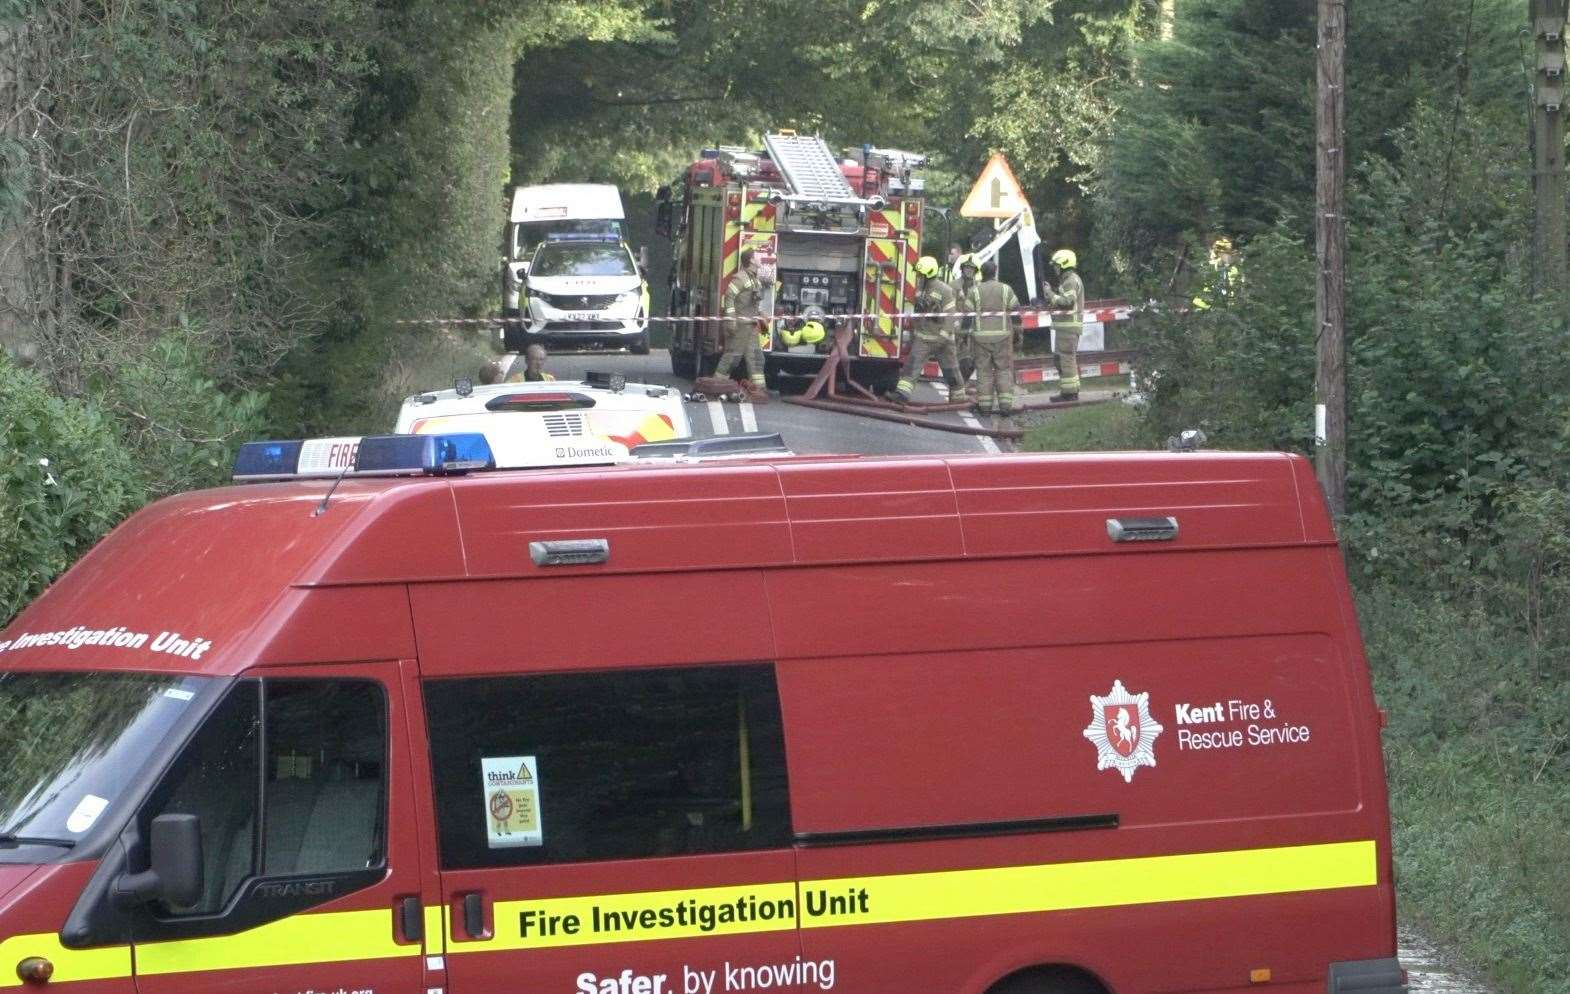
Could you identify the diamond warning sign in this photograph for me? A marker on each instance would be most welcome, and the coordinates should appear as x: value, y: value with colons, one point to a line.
x: 996, y: 193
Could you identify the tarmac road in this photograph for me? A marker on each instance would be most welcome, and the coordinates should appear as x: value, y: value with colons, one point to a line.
x: 805, y: 430
x: 816, y: 432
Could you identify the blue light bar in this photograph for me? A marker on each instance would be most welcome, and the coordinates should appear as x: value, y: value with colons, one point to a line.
x: 582, y: 236
x: 378, y: 455
x: 267, y: 460
x: 424, y: 454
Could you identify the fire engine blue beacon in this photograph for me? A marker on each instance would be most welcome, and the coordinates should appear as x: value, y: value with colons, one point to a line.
x: 375, y: 455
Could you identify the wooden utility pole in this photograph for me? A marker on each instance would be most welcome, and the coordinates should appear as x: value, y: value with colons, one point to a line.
x: 1330, y: 242
x: 1548, y: 151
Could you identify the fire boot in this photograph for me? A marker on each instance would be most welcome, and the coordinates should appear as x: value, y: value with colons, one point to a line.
x: 757, y: 394
x: 1065, y: 397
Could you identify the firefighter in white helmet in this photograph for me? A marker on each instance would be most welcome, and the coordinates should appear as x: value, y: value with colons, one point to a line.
x: 934, y: 333
x: 1069, y: 296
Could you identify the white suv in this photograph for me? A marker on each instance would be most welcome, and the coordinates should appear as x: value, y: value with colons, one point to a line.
x: 583, y: 291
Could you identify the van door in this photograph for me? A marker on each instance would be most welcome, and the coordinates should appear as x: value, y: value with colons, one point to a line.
x: 310, y: 876
x: 615, y: 832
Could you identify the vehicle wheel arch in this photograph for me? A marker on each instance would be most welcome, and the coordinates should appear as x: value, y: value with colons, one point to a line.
x: 1048, y: 978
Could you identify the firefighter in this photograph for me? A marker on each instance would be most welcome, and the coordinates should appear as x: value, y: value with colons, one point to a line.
x: 993, y: 341
x: 968, y: 266
x: 1224, y: 278
x: 1069, y: 296
x: 956, y: 257
x: 743, y: 303
x: 934, y: 335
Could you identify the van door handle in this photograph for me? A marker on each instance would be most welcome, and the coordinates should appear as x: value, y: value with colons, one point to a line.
x: 411, y: 919
x: 474, y: 915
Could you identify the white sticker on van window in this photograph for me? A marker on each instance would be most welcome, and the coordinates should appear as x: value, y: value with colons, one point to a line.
x: 178, y: 694
x: 511, y: 786
x: 86, y: 812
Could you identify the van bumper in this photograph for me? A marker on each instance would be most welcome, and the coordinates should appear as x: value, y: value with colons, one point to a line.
x: 1368, y: 976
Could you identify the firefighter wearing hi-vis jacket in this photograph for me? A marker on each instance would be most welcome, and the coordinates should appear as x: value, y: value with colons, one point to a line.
x: 1069, y: 296
x: 743, y: 305
x: 997, y: 325
x: 934, y: 333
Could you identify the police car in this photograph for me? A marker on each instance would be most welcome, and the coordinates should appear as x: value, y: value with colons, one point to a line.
x: 583, y: 290
x: 552, y: 423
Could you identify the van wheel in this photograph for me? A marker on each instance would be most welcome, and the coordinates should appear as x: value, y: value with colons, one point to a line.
x: 1050, y: 980
x: 640, y: 345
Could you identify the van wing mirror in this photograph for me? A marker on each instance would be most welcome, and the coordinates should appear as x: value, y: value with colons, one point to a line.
x: 174, y: 873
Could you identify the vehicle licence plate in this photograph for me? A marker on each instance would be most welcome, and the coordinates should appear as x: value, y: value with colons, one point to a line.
x: 583, y: 315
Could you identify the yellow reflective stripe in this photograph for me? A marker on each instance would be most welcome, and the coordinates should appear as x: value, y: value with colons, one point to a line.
x: 892, y: 898
x: 768, y: 907
x: 1108, y: 883
x: 435, y: 928
x: 69, y: 964
x: 324, y: 938
x: 638, y: 917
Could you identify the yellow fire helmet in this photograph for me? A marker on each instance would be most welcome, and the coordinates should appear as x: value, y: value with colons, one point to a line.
x: 813, y: 332
x: 968, y: 262
x: 1065, y: 259
x: 927, y: 266
x: 1221, y: 245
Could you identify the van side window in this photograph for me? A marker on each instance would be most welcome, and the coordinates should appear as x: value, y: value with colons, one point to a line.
x: 312, y: 754
x: 623, y: 764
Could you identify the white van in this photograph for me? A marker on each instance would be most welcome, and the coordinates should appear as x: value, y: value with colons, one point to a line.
x: 555, y: 422
x: 538, y: 211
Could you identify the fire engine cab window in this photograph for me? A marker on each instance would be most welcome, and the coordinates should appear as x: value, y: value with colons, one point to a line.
x: 619, y: 765
x: 311, y: 753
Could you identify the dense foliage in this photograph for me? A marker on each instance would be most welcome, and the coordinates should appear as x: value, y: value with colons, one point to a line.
x: 214, y: 215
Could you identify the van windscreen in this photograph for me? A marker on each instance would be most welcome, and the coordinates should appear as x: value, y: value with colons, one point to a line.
x: 71, y: 746
x: 528, y: 235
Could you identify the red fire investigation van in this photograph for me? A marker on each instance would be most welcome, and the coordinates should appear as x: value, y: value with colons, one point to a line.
x: 1022, y: 724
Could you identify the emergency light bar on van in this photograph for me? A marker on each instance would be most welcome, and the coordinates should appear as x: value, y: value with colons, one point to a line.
x: 582, y: 236
x: 375, y: 455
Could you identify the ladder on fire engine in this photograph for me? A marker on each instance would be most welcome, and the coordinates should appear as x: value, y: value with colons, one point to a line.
x: 809, y: 168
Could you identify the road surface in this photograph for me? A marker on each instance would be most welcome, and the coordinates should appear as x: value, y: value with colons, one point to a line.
x: 805, y: 430
x: 811, y: 431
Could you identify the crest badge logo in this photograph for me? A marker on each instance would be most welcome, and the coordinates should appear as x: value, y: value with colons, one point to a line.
x: 1123, y: 731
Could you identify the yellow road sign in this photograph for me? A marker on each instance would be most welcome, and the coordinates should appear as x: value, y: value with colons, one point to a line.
x: 996, y: 193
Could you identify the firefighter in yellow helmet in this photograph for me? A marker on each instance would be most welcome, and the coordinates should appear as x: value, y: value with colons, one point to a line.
x: 1069, y: 296
x: 743, y: 304
x: 934, y: 333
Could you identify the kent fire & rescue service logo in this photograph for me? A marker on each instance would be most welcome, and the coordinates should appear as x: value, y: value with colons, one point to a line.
x: 1123, y: 731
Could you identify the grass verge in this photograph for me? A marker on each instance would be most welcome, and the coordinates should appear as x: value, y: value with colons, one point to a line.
x: 1478, y: 755
x: 1094, y: 427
